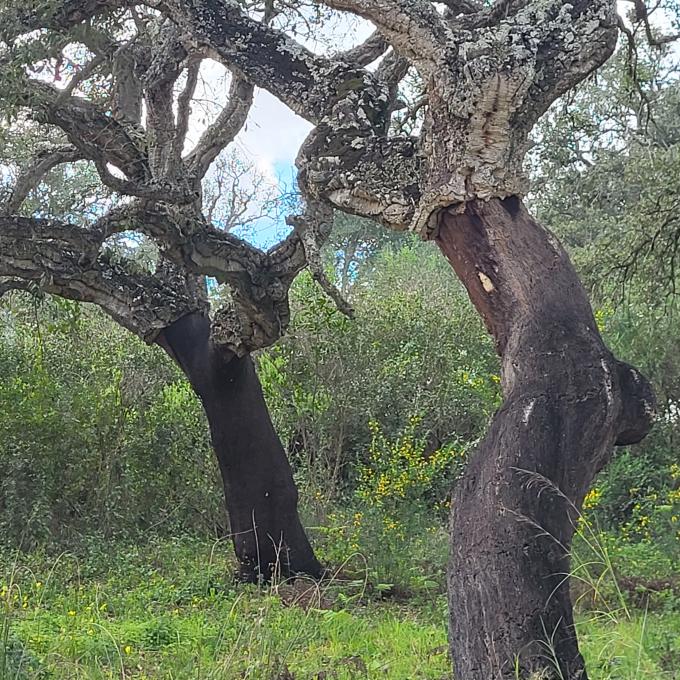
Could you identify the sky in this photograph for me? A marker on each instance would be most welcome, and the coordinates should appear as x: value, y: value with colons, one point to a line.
x: 270, y: 140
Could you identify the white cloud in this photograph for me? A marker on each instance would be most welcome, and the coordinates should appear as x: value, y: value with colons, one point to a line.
x: 273, y: 133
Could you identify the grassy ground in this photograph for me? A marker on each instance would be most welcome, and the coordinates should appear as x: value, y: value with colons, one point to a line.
x: 168, y: 610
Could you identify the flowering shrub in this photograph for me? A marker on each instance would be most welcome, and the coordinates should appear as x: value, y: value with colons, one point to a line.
x: 653, y: 513
x: 401, y: 473
x: 592, y: 499
x: 395, y: 522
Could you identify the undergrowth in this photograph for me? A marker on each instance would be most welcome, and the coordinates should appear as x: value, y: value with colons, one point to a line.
x: 169, y: 609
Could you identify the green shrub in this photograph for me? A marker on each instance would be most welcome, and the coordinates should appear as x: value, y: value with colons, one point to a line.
x: 98, y: 433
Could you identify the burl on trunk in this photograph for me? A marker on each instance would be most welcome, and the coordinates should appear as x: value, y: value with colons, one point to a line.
x: 567, y: 401
x: 260, y: 492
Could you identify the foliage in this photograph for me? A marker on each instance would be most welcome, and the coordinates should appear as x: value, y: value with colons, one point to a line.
x: 330, y: 377
x: 164, y: 611
x: 392, y: 526
x: 97, y: 432
x: 100, y: 436
x: 605, y: 173
x: 104, y: 447
x: 402, y: 473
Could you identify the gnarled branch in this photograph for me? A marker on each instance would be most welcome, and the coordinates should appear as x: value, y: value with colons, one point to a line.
x: 223, y: 130
x: 307, y: 83
x: 368, y: 51
x: 34, y: 14
x: 314, y: 227
x: 96, y: 135
x: 58, y: 258
x: 35, y: 171
x: 184, y: 112
x: 414, y: 27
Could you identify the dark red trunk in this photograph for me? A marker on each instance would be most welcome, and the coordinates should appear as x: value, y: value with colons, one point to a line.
x: 567, y: 401
x: 260, y: 492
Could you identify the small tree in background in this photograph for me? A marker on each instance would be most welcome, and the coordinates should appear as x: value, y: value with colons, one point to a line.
x: 107, y: 204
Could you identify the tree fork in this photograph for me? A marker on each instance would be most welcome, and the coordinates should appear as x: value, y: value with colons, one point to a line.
x: 567, y: 401
x: 260, y: 492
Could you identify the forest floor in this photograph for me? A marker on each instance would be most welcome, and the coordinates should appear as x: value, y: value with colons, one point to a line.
x: 168, y: 609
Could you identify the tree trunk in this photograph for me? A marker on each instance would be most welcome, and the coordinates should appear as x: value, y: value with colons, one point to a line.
x: 261, y: 495
x: 567, y: 401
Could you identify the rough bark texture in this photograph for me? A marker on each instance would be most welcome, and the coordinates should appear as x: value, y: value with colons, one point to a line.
x: 567, y: 401
x: 258, y: 483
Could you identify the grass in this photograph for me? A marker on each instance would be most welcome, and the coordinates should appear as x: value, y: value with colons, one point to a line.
x: 168, y: 610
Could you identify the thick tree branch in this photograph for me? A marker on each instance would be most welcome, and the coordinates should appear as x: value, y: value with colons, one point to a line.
x: 105, y: 140
x: 457, y: 7
x: 96, y: 135
x: 8, y: 284
x: 307, y: 83
x: 166, y: 61
x: 127, y: 93
x: 180, y: 193
x: 373, y: 176
x: 414, y: 27
x: 34, y: 14
x: 64, y: 260
x: 391, y: 71
x: 184, y: 112
x: 368, y: 51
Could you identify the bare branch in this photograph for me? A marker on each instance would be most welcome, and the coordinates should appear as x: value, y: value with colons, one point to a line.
x: 184, y: 111
x: 314, y: 227
x: 33, y: 173
x: 227, y: 125
x: 642, y: 14
x: 411, y: 114
x: 83, y: 74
